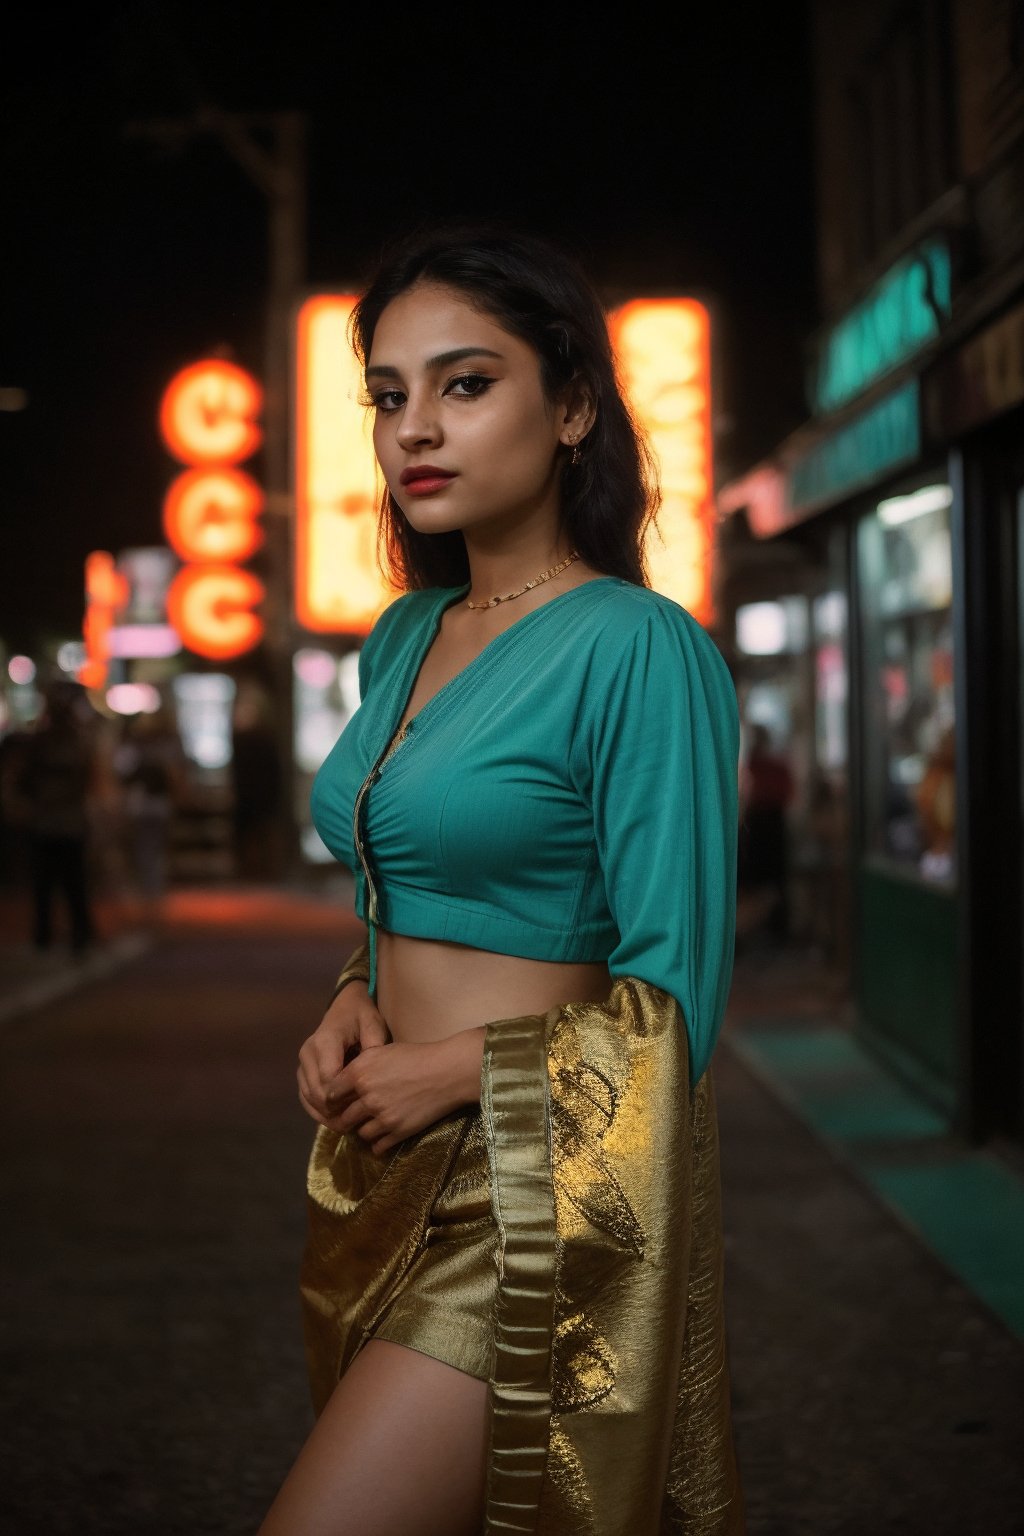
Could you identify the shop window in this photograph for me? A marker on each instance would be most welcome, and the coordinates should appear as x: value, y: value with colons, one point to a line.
x: 772, y: 628
x: 909, y: 739
x: 771, y: 642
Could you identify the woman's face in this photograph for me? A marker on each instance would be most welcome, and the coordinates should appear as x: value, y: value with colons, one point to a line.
x: 463, y: 432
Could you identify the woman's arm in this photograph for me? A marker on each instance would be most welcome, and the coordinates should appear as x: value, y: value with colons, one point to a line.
x: 351, y: 1024
x: 658, y: 756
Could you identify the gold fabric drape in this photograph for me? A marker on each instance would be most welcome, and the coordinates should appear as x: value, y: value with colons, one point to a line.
x: 609, y: 1394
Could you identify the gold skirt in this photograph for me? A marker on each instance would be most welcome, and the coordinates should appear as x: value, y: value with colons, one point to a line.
x: 564, y: 1241
x: 442, y: 1300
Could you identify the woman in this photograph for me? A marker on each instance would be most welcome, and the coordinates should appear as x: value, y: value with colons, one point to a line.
x: 512, y: 1285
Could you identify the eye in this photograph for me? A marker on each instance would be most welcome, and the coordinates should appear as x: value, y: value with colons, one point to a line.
x: 384, y: 400
x: 469, y: 385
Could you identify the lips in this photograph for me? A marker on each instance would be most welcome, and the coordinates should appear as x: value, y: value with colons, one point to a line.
x: 425, y: 477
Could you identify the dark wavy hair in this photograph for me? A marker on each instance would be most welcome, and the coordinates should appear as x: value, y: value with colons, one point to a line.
x: 537, y: 291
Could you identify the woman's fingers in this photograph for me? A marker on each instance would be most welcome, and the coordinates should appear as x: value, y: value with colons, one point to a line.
x: 379, y: 1137
x: 321, y: 1099
x: 350, y: 1115
x: 323, y: 1104
x: 321, y: 1060
x: 333, y: 1092
x: 310, y: 1111
x: 373, y: 1030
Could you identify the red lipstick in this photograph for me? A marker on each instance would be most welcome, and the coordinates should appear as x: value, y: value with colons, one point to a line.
x: 425, y: 479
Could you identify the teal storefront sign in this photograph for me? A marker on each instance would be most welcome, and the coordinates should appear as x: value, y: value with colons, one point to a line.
x: 904, y: 310
x: 866, y: 449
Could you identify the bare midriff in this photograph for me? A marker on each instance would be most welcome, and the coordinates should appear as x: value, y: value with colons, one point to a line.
x: 428, y: 989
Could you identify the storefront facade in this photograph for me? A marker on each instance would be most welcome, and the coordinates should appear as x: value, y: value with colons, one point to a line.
x: 896, y: 528
x: 894, y: 519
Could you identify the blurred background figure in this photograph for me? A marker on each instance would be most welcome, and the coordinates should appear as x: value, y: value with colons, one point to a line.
x: 109, y: 851
x: 767, y: 787
x: 935, y: 799
x: 54, y: 788
x: 258, y: 787
x: 151, y: 768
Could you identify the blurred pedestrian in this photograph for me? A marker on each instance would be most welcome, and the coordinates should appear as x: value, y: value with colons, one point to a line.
x: 935, y: 800
x: 150, y: 764
x: 14, y: 814
x: 55, y: 787
x: 767, y: 787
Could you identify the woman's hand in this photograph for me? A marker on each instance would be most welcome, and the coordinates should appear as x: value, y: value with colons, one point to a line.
x: 390, y: 1092
x: 351, y: 1024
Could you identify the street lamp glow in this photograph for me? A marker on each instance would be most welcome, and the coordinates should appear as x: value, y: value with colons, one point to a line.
x: 71, y: 656
x: 133, y: 699
x: 21, y: 670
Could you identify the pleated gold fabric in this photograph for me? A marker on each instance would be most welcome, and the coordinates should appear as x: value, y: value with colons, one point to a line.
x: 599, y: 1284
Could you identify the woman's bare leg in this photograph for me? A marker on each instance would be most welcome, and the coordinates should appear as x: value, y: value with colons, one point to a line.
x: 399, y: 1450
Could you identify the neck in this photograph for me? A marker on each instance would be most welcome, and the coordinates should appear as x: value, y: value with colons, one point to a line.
x: 495, y: 570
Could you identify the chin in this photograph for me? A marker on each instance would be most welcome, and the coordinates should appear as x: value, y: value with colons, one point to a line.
x: 430, y: 520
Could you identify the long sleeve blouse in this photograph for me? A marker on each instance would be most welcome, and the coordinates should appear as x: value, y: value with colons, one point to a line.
x: 571, y: 794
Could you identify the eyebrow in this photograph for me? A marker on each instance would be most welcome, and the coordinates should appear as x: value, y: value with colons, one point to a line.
x: 442, y: 360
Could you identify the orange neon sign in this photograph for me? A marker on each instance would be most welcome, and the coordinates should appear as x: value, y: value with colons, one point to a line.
x: 338, y: 588
x: 212, y: 509
x: 210, y: 413
x: 663, y: 351
x: 215, y: 603
x: 210, y: 514
x: 106, y: 594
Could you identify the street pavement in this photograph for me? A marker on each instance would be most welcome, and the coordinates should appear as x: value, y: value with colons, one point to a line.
x: 152, y: 1183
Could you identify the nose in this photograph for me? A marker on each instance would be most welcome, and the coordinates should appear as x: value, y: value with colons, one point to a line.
x: 419, y: 425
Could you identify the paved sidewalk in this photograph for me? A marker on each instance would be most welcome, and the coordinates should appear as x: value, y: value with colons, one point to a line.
x: 30, y: 979
x: 791, y: 1024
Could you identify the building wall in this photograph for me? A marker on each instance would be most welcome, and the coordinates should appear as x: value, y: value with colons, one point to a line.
x: 988, y: 38
x: 886, y: 147
x: 919, y: 114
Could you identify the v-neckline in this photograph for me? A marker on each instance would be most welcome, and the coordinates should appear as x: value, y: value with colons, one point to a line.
x: 411, y: 679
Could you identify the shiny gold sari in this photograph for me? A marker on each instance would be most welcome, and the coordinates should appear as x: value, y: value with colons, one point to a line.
x: 609, y: 1392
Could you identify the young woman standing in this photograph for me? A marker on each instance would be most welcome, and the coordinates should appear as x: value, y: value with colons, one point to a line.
x: 513, y: 1280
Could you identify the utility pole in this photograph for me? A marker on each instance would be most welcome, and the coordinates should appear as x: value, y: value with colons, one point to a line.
x: 271, y: 149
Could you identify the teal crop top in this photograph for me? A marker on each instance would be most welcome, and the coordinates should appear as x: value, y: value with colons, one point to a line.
x: 571, y: 794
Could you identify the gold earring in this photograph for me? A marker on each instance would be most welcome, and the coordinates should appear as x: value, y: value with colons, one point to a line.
x: 575, y: 450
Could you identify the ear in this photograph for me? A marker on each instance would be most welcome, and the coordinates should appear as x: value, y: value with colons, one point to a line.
x: 579, y: 413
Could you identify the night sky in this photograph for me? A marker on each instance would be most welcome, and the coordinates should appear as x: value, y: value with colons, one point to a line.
x: 672, y: 160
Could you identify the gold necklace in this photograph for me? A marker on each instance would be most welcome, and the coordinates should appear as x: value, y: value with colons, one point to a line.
x: 544, y: 576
